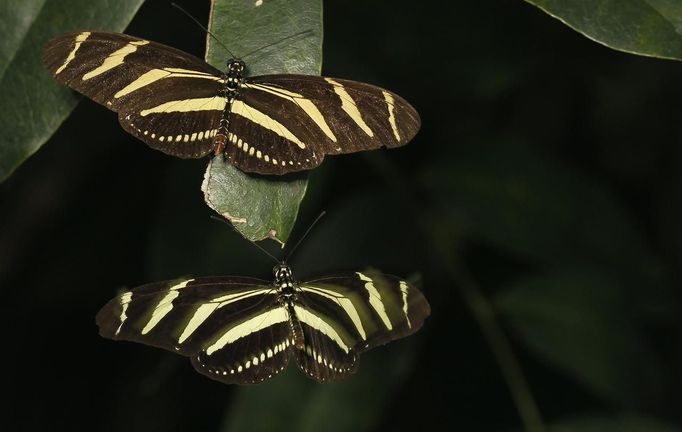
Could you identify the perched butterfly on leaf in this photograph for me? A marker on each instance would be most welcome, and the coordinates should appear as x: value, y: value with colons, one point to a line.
x: 243, y: 331
x: 269, y: 124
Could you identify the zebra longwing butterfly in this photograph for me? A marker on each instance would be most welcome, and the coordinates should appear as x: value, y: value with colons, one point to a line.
x: 269, y: 124
x: 243, y: 331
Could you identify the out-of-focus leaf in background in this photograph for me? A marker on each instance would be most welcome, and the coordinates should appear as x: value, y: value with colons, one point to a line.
x: 537, y: 208
x: 38, y: 103
x: 260, y: 205
x: 581, y: 320
x: 645, y: 27
x: 579, y: 302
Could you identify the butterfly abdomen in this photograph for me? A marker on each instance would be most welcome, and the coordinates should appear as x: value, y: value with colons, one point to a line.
x: 296, y: 331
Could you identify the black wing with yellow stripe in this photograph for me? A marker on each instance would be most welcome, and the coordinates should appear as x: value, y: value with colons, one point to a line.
x: 233, y: 329
x: 270, y: 124
x: 244, y: 331
x: 298, y: 119
x: 360, y: 311
x: 143, y: 82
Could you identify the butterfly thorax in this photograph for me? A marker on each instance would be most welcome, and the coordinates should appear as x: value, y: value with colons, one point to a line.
x: 284, y: 281
x: 234, y: 77
x: 287, y: 291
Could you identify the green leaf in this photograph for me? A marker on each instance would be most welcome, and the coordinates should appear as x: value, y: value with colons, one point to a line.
x: 579, y: 320
x: 628, y: 423
x: 258, y: 207
x: 38, y: 103
x: 265, y: 203
x: 645, y: 27
x: 15, y: 18
x: 538, y: 208
x: 243, y: 27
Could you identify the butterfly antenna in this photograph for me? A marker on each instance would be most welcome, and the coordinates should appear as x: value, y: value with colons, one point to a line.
x: 293, y: 249
x: 301, y: 33
x: 204, y: 28
x: 250, y: 241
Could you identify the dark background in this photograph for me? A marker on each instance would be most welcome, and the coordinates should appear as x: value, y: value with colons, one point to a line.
x: 546, y: 176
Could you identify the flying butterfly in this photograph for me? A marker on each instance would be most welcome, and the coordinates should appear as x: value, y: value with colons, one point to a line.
x: 241, y: 330
x: 269, y: 124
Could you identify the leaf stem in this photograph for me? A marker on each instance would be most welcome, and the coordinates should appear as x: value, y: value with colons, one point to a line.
x: 499, y: 344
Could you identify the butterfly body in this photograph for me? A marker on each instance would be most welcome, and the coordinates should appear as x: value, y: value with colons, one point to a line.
x: 244, y: 331
x: 268, y: 124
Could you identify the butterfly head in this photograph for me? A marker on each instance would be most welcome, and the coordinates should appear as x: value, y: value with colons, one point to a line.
x: 282, y: 274
x: 236, y: 66
x: 234, y: 75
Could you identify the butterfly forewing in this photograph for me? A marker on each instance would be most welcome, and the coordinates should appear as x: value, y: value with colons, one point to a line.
x: 374, y: 307
x: 163, y: 96
x: 112, y: 67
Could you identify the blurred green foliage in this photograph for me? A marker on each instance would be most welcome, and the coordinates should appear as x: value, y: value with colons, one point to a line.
x: 548, y: 165
x: 37, y: 105
x: 644, y: 27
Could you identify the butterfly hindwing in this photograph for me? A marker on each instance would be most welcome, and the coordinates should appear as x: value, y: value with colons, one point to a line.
x: 159, y: 130
x: 185, y: 315
x: 263, y: 352
x: 322, y: 358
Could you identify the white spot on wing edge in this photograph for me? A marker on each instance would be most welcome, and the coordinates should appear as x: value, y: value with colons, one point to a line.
x: 375, y: 300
